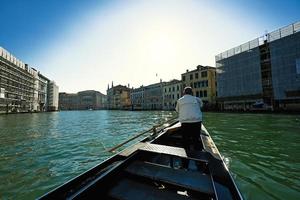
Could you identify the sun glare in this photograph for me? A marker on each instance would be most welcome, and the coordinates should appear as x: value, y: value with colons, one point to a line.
x: 160, y: 47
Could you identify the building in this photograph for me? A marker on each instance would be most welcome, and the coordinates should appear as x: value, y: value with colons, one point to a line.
x: 153, y: 96
x: 137, y: 98
x: 22, y: 88
x: 16, y: 84
x: 118, y: 97
x: 172, y: 91
x: 68, y: 101
x: 90, y: 99
x: 104, y: 101
x: 40, y: 91
x: 53, y: 96
x: 84, y: 100
x: 203, y: 83
x: 261, y: 74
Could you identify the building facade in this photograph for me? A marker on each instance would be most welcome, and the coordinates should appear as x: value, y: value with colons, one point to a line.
x: 68, y: 101
x: 84, y: 100
x: 53, y: 96
x: 137, y: 98
x: 172, y: 91
x: 118, y: 97
x: 40, y: 101
x: 153, y: 96
x: 22, y: 88
x: 203, y: 83
x: 262, y: 74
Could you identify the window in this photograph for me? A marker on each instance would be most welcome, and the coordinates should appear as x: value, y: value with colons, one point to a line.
x: 298, y: 66
x: 196, y: 75
x: 173, y: 88
x: 195, y: 85
x: 201, y: 93
x: 205, y: 93
x: 197, y: 94
x: 191, y: 76
x: 183, y: 78
x: 177, y: 87
x: 177, y: 96
x: 204, y: 74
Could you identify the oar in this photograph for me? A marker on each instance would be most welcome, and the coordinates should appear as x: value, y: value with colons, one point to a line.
x: 138, y: 135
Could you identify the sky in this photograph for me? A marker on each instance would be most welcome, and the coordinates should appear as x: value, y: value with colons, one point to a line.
x: 85, y: 45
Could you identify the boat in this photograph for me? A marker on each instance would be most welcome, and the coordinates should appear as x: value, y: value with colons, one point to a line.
x: 154, y: 168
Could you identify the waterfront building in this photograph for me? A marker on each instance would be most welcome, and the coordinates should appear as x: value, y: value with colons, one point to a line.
x: 68, y: 101
x: 118, y: 97
x: 104, y: 101
x: 84, y: 100
x: 263, y: 73
x: 40, y: 91
x: 53, y: 97
x: 22, y: 88
x: 137, y: 98
x: 172, y: 91
x: 153, y: 96
x: 202, y: 80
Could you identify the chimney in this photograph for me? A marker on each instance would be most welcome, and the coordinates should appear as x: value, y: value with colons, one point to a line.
x: 187, y: 70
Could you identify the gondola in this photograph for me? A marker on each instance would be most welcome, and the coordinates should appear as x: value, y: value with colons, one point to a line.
x: 157, y: 167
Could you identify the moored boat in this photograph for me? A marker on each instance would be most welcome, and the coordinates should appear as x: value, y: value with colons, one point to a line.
x: 157, y: 167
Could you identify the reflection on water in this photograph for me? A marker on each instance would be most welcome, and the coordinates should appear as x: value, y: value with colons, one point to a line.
x: 40, y: 151
x: 263, y: 152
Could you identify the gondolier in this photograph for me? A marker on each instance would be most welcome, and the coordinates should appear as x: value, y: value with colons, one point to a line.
x: 190, y: 116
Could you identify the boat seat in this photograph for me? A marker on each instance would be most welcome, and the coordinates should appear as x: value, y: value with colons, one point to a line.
x: 127, y: 189
x: 192, y: 180
x: 157, y: 148
x: 175, y: 151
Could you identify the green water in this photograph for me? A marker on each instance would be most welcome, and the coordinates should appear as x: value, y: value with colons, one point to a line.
x: 41, y: 151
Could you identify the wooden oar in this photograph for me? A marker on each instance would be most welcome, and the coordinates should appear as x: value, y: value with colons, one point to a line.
x: 140, y: 134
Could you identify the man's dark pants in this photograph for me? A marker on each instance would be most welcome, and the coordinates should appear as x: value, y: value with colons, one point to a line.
x: 191, y: 135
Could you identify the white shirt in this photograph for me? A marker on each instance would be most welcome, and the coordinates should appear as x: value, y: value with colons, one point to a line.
x: 189, y: 110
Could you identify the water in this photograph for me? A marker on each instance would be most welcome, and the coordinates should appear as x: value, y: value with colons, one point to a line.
x: 41, y: 151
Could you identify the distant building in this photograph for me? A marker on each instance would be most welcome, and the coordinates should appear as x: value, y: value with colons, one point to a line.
x: 203, y: 83
x: 263, y: 73
x: 104, y: 101
x: 68, y: 101
x: 172, y: 91
x: 84, y: 100
x: 153, y: 96
x: 40, y: 91
x: 22, y: 88
x: 137, y: 98
x: 52, y: 96
x: 118, y: 97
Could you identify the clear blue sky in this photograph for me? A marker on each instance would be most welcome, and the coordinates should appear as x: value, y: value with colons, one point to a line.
x: 131, y: 38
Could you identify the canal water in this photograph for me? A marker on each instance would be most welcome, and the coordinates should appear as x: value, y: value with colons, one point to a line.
x: 41, y: 151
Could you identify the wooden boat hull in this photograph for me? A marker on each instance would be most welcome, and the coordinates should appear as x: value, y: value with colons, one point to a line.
x: 158, y: 167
